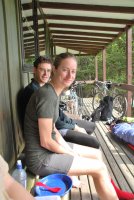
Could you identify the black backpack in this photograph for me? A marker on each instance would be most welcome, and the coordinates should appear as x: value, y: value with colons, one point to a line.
x: 106, y: 113
x: 95, y: 116
x: 104, y: 110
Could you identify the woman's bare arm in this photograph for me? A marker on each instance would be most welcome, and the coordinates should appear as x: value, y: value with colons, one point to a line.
x: 61, y: 140
x: 15, y: 190
x: 46, y: 140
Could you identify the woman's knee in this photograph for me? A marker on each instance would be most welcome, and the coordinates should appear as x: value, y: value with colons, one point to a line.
x: 95, y: 143
x: 88, y: 126
x: 82, y: 139
x: 101, y: 171
x: 91, y: 127
x: 98, y: 155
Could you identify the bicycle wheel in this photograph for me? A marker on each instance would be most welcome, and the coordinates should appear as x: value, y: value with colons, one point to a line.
x: 80, y: 106
x: 96, y: 100
x: 119, y: 106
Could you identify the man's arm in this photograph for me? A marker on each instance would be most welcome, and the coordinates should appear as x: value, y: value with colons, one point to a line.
x: 64, y: 125
x: 64, y: 122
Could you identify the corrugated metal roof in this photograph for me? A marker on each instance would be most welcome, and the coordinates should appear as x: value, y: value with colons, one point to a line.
x: 83, y: 26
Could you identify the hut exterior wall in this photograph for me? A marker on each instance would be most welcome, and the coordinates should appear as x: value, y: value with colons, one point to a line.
x: 11, y: 140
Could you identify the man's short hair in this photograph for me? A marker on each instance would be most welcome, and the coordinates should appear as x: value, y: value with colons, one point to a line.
x: 42, y: 59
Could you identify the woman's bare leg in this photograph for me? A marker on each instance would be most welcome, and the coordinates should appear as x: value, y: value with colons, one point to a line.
x: 88, y: 152
x: 97, y: 169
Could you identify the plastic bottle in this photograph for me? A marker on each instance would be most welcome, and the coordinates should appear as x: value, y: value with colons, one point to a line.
x: 19, y: 174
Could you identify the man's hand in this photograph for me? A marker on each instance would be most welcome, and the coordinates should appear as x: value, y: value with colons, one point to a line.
x: 77, y: 128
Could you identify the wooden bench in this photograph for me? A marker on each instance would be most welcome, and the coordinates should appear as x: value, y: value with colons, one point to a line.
x: 117, y: 156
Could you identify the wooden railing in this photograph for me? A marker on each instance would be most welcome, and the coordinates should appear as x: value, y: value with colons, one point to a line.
x: 129, y: 89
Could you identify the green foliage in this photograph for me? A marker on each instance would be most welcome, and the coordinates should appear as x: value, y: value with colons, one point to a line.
x: 115, y: 62
x: 85, y: 68
x: 30, y: 60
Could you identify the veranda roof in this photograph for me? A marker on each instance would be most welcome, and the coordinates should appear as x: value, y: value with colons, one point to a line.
x: 83, y: 26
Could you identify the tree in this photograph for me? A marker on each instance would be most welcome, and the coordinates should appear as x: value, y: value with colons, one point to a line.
x: 116, y: 62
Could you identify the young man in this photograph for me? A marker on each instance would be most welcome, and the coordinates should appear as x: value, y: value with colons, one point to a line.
x: 71, y: 130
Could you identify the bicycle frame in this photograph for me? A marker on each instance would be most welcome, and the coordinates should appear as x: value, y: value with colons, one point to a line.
x: 103, y: 87
x: 119, y: 100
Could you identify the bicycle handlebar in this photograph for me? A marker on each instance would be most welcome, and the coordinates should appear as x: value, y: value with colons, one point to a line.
x: 103, y: 82
x: 108, y: 82
x: 78, y: 84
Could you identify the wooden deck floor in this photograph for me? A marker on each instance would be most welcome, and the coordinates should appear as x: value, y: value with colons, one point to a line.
x: 117, y: 156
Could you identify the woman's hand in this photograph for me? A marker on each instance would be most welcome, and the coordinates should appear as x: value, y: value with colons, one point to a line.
x: 61, y: 140
x: 74, y: 153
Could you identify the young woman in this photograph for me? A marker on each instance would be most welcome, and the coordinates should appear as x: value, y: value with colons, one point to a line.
x: 9, y: 188
x: 46, y: 151
x: 71, y: 130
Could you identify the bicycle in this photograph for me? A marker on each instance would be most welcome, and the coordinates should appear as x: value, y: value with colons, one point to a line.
x: 101, y: 89
x: 106, y: 88
x: 74, y: 99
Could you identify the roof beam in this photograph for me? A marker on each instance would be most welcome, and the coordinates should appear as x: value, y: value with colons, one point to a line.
x: 92, y: 52
x: 80, y: 45
x: 32, y: 45
x: 106, y: 40
x: 82, y: 7
x: 66, y: 42
x: 84, y: 27
x: 74, y: 33
x: 90, y: 19
x: 86, y: 19
x: 83, y: 33
x: 87, y: 7
x: 32, y: 49
x: 31, y: 39
x: 79, y: 42
x: 27, y: 6
x: 75, y: 54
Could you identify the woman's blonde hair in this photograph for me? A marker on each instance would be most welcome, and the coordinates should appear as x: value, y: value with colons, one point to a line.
x: 61, y: 57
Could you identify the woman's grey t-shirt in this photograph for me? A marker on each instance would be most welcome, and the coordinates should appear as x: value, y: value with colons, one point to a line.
x: 44, y: 103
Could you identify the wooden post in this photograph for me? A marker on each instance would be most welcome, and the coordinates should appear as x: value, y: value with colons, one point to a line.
x: 47, y: 40
x: 51, y: 48
x: 54, y: 50
x: 96, y: 68
x: 129, y: 66
x: 35, y: 26
x: 104, y: 64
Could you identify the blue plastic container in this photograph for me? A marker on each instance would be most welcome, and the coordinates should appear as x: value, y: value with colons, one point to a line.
x: 55, y: 180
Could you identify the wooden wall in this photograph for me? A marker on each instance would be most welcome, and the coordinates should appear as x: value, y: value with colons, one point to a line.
x: 11, y: 141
